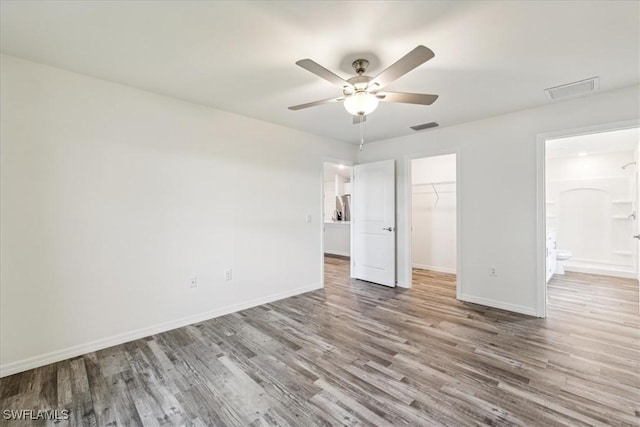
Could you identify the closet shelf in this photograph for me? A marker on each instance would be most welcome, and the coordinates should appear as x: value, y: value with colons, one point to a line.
x: 621, y: 202
x: 434, y: 192
x: 623, y: 253
x: 434, y: 183
x: 620, y: 217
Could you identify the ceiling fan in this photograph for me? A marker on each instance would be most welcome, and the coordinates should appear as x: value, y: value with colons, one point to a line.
x: 361, y: 93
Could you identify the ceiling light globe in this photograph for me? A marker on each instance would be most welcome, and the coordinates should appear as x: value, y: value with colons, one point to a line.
x: 361, y: 103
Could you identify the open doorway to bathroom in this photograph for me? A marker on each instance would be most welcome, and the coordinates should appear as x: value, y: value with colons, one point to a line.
x: 591, y: 219
x: 336, y: 225
x: 434, y: 216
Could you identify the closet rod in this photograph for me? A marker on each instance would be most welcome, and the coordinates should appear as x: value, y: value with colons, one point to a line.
x: 435, y: 183
x: 430, y: 191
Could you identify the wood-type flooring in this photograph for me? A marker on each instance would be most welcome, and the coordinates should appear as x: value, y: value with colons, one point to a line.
x: 355, y: 353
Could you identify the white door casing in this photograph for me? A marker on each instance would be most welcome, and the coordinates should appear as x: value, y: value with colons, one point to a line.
x: 636, y: 211
x: 374, y: 222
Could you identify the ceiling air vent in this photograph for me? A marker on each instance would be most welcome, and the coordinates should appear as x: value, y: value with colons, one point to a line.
x: 425, y: 126
x: 572, y: 89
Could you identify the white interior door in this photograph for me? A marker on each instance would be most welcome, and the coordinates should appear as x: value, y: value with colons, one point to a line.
x: 374, y: 222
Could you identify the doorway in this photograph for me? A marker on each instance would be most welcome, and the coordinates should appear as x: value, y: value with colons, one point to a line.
x: 590, y: 222
x: 336, y: 212
x: 434, y: 216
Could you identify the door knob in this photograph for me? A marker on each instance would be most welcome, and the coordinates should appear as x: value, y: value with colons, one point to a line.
x: 636, y: 236
x: 391, y: 229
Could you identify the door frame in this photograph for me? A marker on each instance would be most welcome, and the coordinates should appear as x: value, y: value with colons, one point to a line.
x: 337, y: 161
x: 408, y: 207
x: 541, y: 208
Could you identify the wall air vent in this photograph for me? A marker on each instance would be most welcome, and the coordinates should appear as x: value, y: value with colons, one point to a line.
x: 573, y: 89
x: 425, y: 126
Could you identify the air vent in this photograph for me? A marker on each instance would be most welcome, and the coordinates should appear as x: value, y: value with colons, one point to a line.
x: 425, y: 126
x: 573, y: 89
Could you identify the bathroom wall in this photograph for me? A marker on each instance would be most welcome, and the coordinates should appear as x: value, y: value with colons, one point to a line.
x: 433, y: 240
x: 589, y: 202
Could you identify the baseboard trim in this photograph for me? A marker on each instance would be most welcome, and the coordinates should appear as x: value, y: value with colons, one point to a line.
x: 601, y: 272
x: 530, y: 311
x: 338, y: 254
x: 342, y: 257
x: 78, y: 350
x: 434, y: 268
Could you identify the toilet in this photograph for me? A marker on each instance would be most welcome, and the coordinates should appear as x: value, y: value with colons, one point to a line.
x: 561, y: 257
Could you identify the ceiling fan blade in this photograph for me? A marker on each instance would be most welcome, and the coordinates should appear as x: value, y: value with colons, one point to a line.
x: 314, y: 103
x: 402, y: 66
x: 322, y: 72
x: 357, y: 119
x: 407, y: 98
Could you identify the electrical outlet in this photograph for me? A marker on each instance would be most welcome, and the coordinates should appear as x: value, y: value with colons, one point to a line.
x: 492, y: 271
x: 193, y: 282
x: 228, y: 274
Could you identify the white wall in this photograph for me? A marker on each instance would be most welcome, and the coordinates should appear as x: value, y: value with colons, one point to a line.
x: 433, y: 216
x: 339, y: 185
x: 497, y: 185
x: 589, y: 200
x: 112, y: 198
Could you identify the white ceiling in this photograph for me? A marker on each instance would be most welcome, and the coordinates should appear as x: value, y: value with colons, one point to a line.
x: 594, y: 143
x: 491, y: 57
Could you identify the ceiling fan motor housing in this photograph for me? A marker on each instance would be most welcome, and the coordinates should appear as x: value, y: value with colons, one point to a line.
x: 357, y: 83
x: 360, y: 65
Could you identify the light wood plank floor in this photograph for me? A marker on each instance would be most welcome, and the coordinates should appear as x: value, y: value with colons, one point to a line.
x: 361, y: 354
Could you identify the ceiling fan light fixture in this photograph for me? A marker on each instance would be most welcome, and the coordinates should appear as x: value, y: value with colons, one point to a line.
x: 361, y: 103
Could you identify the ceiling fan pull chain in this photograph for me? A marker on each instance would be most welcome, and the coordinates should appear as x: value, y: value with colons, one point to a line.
x: 361, y: 132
